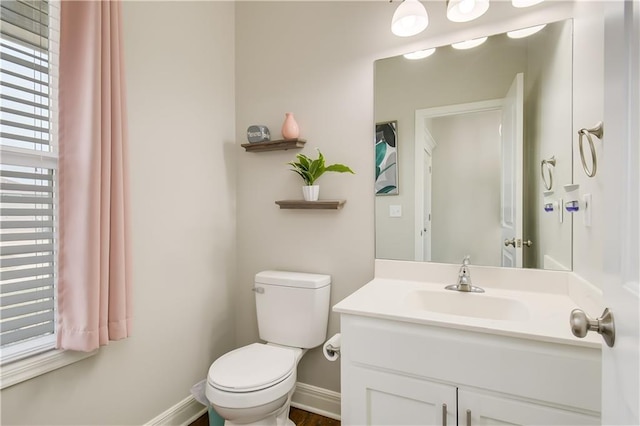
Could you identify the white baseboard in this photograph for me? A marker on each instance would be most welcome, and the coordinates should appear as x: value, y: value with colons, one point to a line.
x: 306, y: 397
x: 317, y: 400
x: 183, y: 413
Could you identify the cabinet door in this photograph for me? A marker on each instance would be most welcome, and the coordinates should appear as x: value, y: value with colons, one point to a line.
x: 494, y: 410
x: 380, y: 398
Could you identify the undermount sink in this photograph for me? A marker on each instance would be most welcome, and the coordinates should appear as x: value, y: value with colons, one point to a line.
x: 476, y: 305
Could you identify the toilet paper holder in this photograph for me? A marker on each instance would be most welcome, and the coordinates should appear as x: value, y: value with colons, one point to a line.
x: 332, y: 350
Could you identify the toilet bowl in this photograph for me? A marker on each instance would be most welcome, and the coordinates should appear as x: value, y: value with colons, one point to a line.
x: 253, y: 385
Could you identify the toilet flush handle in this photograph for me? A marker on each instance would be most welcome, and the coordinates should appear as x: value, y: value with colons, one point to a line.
x: 259, y: 290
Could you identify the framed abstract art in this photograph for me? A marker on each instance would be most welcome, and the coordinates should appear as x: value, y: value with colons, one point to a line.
x: 386, y: 158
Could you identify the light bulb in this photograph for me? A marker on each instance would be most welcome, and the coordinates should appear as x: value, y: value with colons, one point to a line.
x: 410, y: 18
x: 466, y: 10
x: 420, y: 54
x: 469, y: 44
x: 466, y: 6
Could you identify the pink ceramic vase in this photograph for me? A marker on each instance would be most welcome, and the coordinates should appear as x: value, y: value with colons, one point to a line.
x: 290, y: 128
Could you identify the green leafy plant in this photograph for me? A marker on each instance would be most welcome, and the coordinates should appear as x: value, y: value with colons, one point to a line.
x: 311, y: 169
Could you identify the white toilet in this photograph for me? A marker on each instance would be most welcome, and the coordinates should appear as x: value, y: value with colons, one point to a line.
x: 253, y: 384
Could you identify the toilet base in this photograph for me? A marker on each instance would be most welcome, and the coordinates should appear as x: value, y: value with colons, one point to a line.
x: 283, y: 418
x: 278, y: 417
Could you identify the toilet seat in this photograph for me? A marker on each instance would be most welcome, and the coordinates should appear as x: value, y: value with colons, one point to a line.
x: 252, y: 375
x: 251, y: 368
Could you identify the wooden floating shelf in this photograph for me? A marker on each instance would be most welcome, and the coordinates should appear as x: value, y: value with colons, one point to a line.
x: 308, y: 205
x: 277, y: 145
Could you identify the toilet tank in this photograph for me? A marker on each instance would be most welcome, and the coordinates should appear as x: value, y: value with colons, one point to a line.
x: 292, y: 307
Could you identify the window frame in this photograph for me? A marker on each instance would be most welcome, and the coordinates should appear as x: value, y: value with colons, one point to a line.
x: 36, y: 365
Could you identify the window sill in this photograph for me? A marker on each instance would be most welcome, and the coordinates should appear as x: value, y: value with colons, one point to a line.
x: 28, y: 368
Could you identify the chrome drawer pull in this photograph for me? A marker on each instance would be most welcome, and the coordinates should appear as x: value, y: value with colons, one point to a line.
x: 444, y: 414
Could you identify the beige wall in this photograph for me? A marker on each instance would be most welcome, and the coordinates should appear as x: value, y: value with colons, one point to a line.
x: 180, y: 77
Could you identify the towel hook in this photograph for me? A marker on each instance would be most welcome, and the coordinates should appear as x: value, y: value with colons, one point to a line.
x: 550, y: 164
x: 596, y: 131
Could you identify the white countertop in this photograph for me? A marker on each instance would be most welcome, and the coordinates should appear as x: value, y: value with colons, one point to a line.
x: 548, y: 305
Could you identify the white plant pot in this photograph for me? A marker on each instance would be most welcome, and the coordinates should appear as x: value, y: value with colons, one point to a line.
x: 311, y: 192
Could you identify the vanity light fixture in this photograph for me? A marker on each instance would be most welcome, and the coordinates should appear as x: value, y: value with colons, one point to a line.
x: 410, y: 18
x: 469, y: 44
x: 525, y: 3
x: 525, y: 32
x: 420, y: 54
x: 466, y: 10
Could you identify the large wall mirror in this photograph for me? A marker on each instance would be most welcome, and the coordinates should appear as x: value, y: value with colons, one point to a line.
x: 477, y: 144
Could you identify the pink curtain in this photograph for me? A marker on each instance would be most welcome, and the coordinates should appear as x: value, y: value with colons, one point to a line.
x: 94, y: 281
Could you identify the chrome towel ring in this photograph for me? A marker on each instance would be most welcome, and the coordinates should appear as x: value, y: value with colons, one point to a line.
x: 596, y: 131
x: 548, y: 165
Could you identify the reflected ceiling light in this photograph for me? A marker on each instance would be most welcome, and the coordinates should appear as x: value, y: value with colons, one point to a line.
x: 525, y: 32
x: 466, y: 10
x: 410, y: 18
x: 469, y: 44
x: 420, y: 54
x: 525, y: 3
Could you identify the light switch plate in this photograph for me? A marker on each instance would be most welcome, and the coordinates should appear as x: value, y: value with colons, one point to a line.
x: 395, y: 211
x: 561, y: 210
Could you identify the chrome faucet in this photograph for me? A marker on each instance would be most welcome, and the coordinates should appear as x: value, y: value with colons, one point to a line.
x: 464, y: 279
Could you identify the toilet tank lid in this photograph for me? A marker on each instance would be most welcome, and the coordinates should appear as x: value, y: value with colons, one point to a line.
x: 293, y: 279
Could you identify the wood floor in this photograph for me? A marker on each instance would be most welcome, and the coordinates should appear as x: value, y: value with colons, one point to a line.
x: 305, y: 418
x: 299, y: 417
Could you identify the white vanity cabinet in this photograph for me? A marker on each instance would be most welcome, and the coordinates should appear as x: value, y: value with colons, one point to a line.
x: 402, y: 373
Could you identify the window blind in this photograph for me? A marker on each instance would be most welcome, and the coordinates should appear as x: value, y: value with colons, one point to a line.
x: 28, y: 172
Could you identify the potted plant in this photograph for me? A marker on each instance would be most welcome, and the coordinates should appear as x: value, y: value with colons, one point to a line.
x: 311, y: 169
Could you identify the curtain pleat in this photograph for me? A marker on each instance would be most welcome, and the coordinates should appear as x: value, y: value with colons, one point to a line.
x: 94, y: 277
